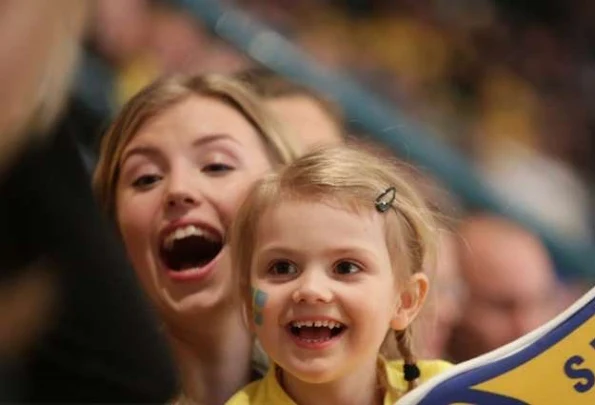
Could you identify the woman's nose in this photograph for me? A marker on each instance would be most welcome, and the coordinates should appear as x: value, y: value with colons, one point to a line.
x: 183, y: 191
x: 181, y: 199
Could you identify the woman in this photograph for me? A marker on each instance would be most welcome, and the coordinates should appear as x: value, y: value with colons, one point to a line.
x: 172, y: 171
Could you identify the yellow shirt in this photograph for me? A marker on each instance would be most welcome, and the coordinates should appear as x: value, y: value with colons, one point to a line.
x: 268, y: 391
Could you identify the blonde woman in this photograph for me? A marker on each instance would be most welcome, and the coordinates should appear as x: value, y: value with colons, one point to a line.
x: 173, y: 169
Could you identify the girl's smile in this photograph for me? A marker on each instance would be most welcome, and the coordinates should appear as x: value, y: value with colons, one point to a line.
x: 316, y: 333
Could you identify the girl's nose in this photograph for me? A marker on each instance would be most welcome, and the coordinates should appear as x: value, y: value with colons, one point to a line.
x: 313, y: 287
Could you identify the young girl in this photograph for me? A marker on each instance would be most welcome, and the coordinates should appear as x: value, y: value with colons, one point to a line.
x: 330, y: 252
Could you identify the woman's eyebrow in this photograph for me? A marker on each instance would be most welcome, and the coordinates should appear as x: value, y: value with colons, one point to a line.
x: 140, y: 151
x: 152, y: 151
x: 211, y: 138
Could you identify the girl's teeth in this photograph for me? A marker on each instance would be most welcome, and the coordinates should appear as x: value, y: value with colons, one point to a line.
x: 318, y: 324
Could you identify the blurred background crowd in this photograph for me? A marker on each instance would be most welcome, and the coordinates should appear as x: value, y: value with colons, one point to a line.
x: 509, y: 84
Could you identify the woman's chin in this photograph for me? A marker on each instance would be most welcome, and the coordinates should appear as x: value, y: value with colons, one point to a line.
x: 200, y: 297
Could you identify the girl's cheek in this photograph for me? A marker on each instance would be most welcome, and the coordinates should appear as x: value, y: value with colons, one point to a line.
x: 259, y: 299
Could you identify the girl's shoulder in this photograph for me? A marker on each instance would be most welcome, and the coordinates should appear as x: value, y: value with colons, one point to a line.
x: 427, y: 368
x: 261, y: 392
x: 246, y: 396
x: 430, y: 368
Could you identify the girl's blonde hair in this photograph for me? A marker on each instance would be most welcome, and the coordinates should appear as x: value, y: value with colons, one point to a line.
x: 352, y: 179
x: 163, y: 94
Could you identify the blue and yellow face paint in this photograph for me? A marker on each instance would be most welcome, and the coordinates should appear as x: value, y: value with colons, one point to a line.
x: 259, y: 298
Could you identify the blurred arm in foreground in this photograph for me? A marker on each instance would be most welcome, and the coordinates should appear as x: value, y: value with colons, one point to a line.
x: 74, y: 327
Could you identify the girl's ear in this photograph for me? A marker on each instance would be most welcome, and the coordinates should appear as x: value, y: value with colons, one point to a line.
x: 412, y: 298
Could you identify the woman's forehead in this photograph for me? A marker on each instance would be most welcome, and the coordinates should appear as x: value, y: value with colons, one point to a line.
x: 198, y: 119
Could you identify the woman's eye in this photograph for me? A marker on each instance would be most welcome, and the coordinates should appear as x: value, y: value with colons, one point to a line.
x: 346, y: 267
x: 283, y: 268
x: 146, y: 181
x: 217, y: 168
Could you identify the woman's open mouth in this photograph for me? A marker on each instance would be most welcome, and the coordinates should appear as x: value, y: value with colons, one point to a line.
x: 189, y: 247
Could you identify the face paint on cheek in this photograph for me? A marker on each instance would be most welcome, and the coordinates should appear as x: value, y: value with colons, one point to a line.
x: 259, y: 298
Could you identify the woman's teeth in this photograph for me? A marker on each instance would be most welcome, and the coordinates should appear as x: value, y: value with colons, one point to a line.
x: 184, y: 232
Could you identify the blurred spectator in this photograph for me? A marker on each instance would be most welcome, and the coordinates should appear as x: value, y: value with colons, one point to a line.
x: 306, y: 114
x: 120, y: 35
x: 325, y: 34
x: 222, y: 58
x: 547, y: 188
x: 121, y: 27
x: 177, y: 42
x: 447, y: 296
x: 511, y: 285
x: 448, y: 289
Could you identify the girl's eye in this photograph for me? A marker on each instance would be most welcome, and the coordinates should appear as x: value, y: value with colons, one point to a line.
x: 217, y: 168
x: 146, y: 181
x: 283, y: 268
x: 345, y: 267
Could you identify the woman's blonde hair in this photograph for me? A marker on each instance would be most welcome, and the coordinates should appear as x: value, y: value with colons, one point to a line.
x: 167, y: 92
x: 352, y: 179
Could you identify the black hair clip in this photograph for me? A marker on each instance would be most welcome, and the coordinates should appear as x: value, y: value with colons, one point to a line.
x: 385, y: 200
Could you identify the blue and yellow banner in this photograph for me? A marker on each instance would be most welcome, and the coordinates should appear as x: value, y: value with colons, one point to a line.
x: 553, y: 365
